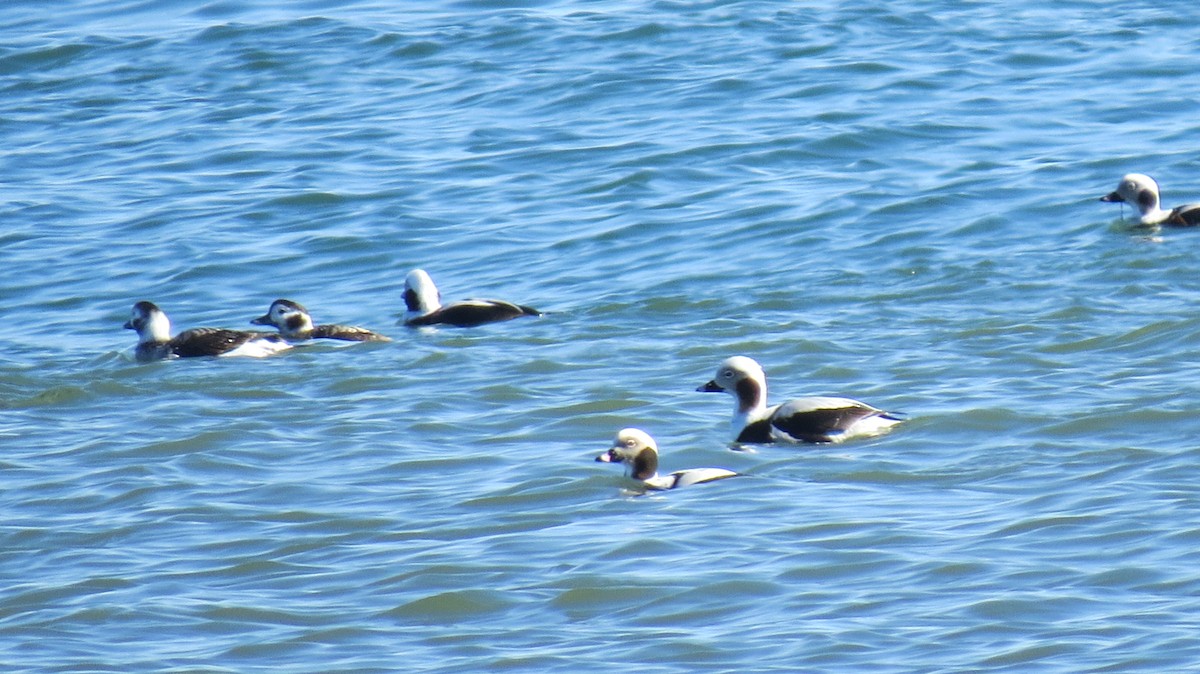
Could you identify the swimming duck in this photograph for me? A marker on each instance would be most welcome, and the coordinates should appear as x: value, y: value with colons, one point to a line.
x: 294, y: 322
x: 1142, y: 191
x: 424, y: 305
x: 638, y: 451
x: 812, y: 419
x: 155, y: 341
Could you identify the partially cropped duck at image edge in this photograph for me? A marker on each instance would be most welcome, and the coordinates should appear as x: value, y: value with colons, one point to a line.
x: 1141, y: 191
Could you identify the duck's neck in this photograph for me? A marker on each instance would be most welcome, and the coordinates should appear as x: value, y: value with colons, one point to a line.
x: 420, y: 301
x: 156, y: 331
x: 750, y: 402
x: 298, y: 324
x: 751, y: 396
x: 1154, y: 215
x: 1148, y: 205
x: 644, y: 466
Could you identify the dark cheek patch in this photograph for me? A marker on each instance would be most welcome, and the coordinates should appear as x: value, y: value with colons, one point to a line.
x: 645, y: 464
x: 294, y: 322
x: 1146, y: 198
x: 748, y: 391
x: 410, y: 300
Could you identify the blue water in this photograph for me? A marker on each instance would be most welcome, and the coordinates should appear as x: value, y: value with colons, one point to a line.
x: 890, y: 201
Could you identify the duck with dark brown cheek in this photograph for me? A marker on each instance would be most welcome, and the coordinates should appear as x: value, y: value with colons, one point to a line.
x: 295, y: 323
x: 424, y: 304
x: 637, y: 450
x: 1142, y: 191
x: 812, y: 419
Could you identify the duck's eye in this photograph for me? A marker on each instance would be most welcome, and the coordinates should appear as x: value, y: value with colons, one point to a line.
x: 727, y: 374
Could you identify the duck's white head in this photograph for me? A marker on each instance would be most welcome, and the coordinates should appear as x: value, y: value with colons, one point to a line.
x: 421, y: 296
x: 151, y: 323
x: 1142, y: 191
x: 637, y: 450
x: 744, y: 379
x: 290, y: 317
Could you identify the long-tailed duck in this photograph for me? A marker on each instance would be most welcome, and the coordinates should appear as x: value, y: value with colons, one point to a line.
x: 1142, y: 191
x: 424, y: 304
x: 155, y: 341
x: 813, y: 419
x: 294, y: 322
x: 637, y: 450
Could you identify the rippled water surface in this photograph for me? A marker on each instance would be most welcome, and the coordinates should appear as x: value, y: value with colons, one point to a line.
x: 890, y: 201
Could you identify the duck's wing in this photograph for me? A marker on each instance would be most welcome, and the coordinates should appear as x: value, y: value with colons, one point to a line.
x: 1185, y: 216
x: 199, y: 342
x: 684, y: 478
x: 470, y: 313
x: 348, y: 333
x: 824, y: 419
